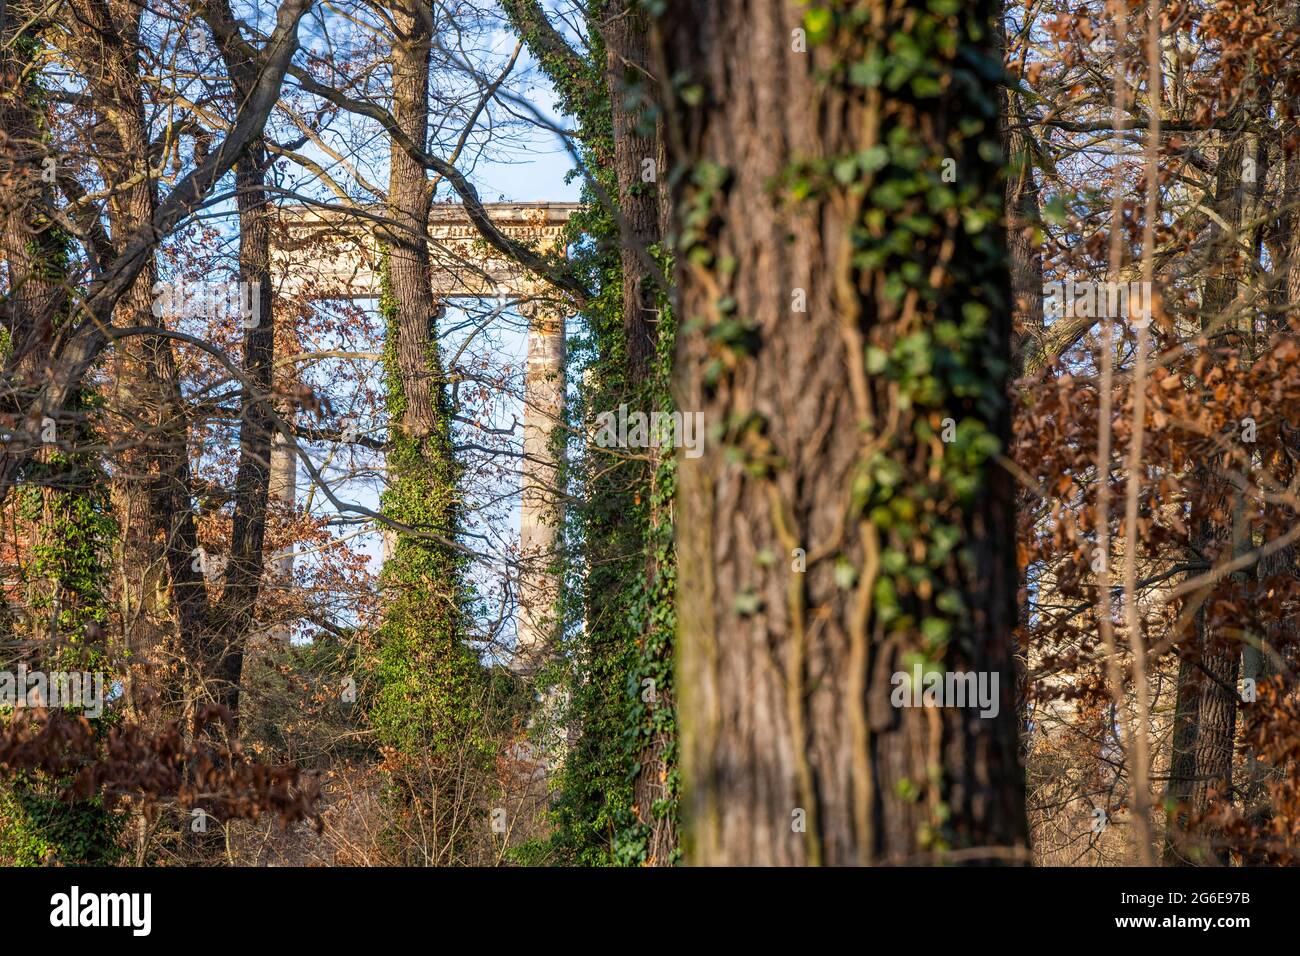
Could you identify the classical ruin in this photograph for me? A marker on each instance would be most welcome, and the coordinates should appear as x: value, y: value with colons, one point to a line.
x: 463, y: 266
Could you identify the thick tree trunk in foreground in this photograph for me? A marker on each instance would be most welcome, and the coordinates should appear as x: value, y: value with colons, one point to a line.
x: 840, y: 300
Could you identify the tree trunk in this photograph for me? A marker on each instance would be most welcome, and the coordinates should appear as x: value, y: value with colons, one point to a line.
x: 638, y: 160
x: 1206, y: 702
x: 644, y: 205
x: 243, y: 578
x: 837, y: 318
x: 1022, y: 213
x: 163, y: 595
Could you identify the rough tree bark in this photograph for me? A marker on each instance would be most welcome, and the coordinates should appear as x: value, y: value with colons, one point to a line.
x: 640, y: 165
x: 162, y: 595
x: 800, y: 176
x: 629, y: 152
x: 1205, y: 720
x: 232, y: 615
x: 1022, y: 217
x: 638, y: 159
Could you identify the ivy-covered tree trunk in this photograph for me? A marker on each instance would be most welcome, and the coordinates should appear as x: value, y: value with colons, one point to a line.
x: 643, y: 207
x: 617, y: 790
x: 426, y: 693
x: 150, y: 475
x: 846, y: 334
x: 62, y: 509
x: 638, y: 158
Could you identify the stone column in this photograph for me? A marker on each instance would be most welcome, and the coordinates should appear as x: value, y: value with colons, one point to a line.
x: 283, y: 491
x: 541, y: 512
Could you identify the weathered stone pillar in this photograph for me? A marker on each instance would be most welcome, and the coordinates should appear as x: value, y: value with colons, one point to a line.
x: 283, y: 492
x: 541, y: 512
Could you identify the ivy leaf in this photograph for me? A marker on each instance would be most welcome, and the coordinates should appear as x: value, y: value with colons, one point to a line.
x: 817, y: 22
